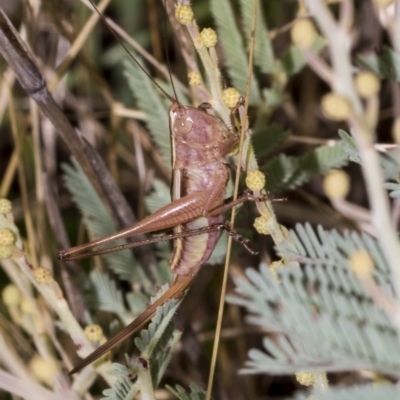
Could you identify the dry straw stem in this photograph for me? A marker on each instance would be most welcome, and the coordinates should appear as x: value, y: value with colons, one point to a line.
x: 78, y: 43
x: 339, y: 42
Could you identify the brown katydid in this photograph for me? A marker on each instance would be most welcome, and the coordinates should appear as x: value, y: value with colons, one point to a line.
x: 200, y: 142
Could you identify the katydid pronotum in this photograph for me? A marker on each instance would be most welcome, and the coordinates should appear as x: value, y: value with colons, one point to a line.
x: 200, y: 141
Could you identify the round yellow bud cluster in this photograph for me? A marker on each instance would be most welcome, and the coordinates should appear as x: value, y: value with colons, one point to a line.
x: 305, y: 378
x: 184, y: 14
x: 335, y: 107
x: 45, y: 370
x: 26, y: 306
x: 11, y: 295
x: 367, y: 84
x: 230, y: 97
x: 194, y: 78
x: 280, y: 77
x: 396, y: 130
x: 5, y: 252
x: 208, y: 37
x: 255, y: 180
x: 42, y: 275
x: 336, y: 184
x: 260, y: 225
x: 5, y: 206
x: 303, y: 33
x: 7, y: 237
x: 93, y: 332
x: 361, y: 264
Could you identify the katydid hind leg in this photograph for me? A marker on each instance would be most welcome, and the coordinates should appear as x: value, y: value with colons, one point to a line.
x: 145, y: 242
x: 179, y: 285
x: 175, y: 213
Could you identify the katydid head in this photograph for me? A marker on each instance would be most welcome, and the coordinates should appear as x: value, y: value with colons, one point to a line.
x: 195, y: 125
x: 196, y: 136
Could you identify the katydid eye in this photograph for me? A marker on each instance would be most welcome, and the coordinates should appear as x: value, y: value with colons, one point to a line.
x: 182, y: 126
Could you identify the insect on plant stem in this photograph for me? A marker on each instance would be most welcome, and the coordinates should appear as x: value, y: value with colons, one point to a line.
x: 200, y: 141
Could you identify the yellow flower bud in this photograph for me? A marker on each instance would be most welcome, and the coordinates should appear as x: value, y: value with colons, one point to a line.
x: 396, y: 130
x: 42, y: 275
x: 94, y: 332
x: 5, y: 206
x: 361, y: 264
x: 303, y: 33
x: 335, y: 107
x: 184, y: 14
x: 5, y: 252
x: 209, y: 37
x: 7, y: 237
x: 11, y: 295
x: 255, y: 180
x: 230, y: 97
x: 336, y: 184
x: 367, y: 84
x: 26, y: 306
x: 260, y: 225
x: 44, y: 370
x: 305, y: 378
x: 194, y: 78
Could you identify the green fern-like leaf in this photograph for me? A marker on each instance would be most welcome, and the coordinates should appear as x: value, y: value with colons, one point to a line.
x: 356, y: 392
x: 331, y: 249
x: 123, y: 388
x: 96, y: 217
x: 106, y: 296
x: 349, y: 146
x: 156, y: 345
x: 148, y: 98
x: 99, y: 223
x: 386, y: 64
x: 324, y: 318
x: 149, y: 337
x: 158, y: 341
x: 267, y: 137
x: 229, y: 36
x: 279, y: 171
x: 159, y: 197
x: 274, y: 97
x: 388, y: 160
x: 263, y: 52
x: 390, y: 165
x: 196, y: 392
x: 289, y: 172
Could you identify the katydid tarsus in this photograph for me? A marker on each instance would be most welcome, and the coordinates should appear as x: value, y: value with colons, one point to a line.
x: 200, y: 142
